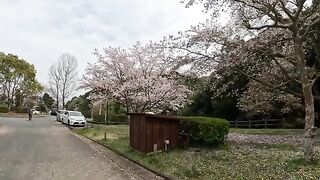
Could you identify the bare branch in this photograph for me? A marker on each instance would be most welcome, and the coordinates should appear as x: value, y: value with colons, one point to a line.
x: 275, y: 25
x: 315, y: 22
x: 288, y: 13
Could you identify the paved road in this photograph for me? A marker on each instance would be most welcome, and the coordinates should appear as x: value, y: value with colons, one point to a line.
x: 43, y: 149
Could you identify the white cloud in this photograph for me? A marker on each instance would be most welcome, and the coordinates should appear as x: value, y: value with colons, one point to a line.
x: 40, y: 30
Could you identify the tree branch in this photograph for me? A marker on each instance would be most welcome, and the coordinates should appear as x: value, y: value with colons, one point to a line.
x: 275, y: 25
x: 315, y: 22
x: 269, y: 85
x: 288, y: 13
x: 300, y: 4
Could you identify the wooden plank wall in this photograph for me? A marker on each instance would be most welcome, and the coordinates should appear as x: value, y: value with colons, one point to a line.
x: 159, y: 130
x: 137, y: 133
x: 147, y: 130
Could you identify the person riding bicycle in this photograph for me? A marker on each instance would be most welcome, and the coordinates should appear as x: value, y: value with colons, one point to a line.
x: 30, y: 114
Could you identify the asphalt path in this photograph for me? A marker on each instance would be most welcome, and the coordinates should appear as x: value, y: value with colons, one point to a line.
x: 44, y: 149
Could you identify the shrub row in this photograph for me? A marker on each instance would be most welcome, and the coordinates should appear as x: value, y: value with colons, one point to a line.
x: 205, y: 130
x: 19, y: 109
x: 3, y: 108
x: 119, y: 119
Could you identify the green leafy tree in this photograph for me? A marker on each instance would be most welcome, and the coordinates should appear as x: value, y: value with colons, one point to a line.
x: 81, y: 103
x: 18, y: 99
x: 210, y: 100
x: 47, y: 100
x: 17, y: 75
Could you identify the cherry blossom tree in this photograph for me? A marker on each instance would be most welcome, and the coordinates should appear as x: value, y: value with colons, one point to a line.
x: 269, y: 38
x: 140, y: 78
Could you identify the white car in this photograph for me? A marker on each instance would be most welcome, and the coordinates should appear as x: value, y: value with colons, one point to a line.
x: 35, y: 112
x: 73, y: 118
x: 60, y: 115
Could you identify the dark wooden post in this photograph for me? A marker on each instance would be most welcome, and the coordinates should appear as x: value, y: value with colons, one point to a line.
x: 265, y: 123
x: 282, y: 123
x: 108, y: 112
x: 236, y: 123
x: 249, y: 123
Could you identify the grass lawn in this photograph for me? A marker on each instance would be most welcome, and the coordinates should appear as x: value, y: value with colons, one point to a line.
x: 231, y: 161
x: 268, y: 131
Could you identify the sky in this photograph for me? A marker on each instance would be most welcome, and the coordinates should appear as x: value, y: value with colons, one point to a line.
x: 39, y: 31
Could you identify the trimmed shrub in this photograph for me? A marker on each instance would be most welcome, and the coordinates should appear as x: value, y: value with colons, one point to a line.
x: 205, y: 130
x: 3, y: 108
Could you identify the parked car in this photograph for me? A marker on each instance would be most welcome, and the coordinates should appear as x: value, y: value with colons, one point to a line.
x: 35, y: 112
x: 60, y: 115
x: 73, y: 118
x: 53, y: 113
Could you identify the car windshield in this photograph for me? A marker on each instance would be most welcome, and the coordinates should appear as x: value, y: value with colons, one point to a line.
x: 75, y: 114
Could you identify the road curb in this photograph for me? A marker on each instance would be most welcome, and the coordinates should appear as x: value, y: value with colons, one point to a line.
x: 128, y: 158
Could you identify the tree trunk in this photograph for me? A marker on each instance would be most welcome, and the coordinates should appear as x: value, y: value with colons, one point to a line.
x: 107, y: 113
x: 21, y: 103
x: 63, y: 98
x: 57, y: 98
x: 9, y: 104
x: 92, y: 113
x: 310, y: 132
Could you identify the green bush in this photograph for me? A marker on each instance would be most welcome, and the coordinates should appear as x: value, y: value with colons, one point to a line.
x: 205, y: 130
x: 98, y: 118
x: 20, y: 109
x: 119, y: 119
x: 3, y: 108
x: 86, y: 113
x: 41, y: 108
x: 123, y: 119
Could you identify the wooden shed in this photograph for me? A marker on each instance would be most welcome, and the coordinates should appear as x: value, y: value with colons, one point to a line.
x: 149, y: 133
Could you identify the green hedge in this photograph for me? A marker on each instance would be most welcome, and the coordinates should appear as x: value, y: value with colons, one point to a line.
x: 205, y: 130
x: 118, y: 119
x: 98, y: 118
x: 3, y: 108
x: 19, y: 109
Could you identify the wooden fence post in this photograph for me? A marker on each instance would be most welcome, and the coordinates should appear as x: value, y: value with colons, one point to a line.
x: 265, y: 123
x: 236, y: 123
x: 249, y: 123
x: 282, y: 123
